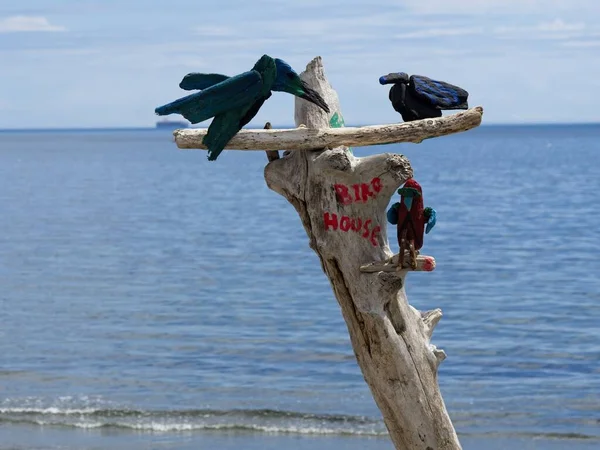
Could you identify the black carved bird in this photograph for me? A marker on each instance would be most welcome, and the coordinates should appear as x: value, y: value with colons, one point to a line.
x: 418, y: 97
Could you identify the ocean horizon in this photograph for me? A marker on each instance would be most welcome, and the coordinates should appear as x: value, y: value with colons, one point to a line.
x: 483, y: 126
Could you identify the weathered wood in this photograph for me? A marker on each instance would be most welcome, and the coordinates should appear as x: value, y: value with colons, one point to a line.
x: 342, y: 203
x: 317, y: 139
x: 431, y: 319
x: 424, y: 264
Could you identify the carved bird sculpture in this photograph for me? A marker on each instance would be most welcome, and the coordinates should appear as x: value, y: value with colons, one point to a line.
x: 412, y: 220
x: 418, y: 97
x: 234, y: 101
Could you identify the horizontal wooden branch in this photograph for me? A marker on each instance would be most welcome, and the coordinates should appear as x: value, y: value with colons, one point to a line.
x: 424, y: 264
x: 315, y: 139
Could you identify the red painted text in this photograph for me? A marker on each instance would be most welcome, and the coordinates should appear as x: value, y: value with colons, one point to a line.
x: 361, y: 192
x: 355, y: 224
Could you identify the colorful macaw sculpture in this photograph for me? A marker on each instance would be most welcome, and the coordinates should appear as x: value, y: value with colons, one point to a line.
x: 234, y: 101
x: 420, y: 97
x: 412, y: 220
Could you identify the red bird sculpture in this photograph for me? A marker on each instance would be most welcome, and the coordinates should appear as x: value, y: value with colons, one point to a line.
x: 412, y: 220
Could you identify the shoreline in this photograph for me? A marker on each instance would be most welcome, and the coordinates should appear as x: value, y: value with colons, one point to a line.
x: 19, y: 436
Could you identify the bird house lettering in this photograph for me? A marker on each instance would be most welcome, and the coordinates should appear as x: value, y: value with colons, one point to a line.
x: 361, y: 192
x: 356, y: 224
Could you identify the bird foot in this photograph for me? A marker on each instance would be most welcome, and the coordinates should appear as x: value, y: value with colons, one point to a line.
x: 400, y: 264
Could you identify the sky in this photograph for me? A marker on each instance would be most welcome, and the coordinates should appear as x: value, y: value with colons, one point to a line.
x: 109, y: 63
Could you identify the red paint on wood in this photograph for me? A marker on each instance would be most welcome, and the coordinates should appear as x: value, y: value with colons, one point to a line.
x: 375, y: 235
x: 366, y: 192
x: 342, y: 195
x: 429, y: 264
x: 363, y: 192
x: 367, y: 231
x: 331, y: 220
x: 376, y: 184
x: 355, y: 224
x: 356, y: 192
x: 345, y: 223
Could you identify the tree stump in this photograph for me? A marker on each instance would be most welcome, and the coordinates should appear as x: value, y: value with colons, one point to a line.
x: 342, y: 200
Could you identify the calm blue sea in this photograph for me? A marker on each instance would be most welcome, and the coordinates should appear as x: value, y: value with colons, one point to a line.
x: 152, y: 299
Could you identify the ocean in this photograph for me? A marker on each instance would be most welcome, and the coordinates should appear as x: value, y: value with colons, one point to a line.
x: 150, y: 298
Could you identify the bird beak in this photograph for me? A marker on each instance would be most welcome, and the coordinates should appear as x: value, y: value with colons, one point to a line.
x: 408, y: 202
x: 314, y: 97
x: 393, y: 78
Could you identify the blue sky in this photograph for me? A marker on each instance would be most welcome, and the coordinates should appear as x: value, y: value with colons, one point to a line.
x: 86, y: 63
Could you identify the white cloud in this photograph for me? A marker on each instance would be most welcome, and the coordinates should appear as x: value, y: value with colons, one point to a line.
x: 557, y: 25
x: 556, y: 29
x: 215, y: 31
x: 353, y: 27
x: 27, y: 24
x: 439, y: 32
x: 501, y: 6
x: 581, y: 44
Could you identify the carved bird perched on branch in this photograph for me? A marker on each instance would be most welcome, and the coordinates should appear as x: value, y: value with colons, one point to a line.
x: 234, y: 101
x: 412, y: 220
x: 419, y: 97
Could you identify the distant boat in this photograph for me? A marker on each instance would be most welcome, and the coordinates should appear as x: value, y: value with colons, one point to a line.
x: 171, y: 124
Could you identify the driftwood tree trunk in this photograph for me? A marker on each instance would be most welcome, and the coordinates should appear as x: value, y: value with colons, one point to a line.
x: 342, y: 202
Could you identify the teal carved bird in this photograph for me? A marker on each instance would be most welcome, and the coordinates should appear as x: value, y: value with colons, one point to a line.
x: 234, y: 101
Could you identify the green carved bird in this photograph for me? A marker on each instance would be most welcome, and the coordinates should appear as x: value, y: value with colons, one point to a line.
x: 234, y: 101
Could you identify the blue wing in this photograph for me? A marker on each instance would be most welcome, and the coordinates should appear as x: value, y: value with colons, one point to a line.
x: 235, y: 92
x: 392, y: 214
x: 439, y: 94
x: 431, y: 219
x: 198, y: 81
x: 225, y: 126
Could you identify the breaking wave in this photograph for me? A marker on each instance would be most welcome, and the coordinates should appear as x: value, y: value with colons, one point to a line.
x: 261, y: 420
x: 101, y: 415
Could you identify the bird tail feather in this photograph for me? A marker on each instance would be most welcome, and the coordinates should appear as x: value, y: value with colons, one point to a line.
x: 219, y: 133
x: 189, y: 107
x: 198, y: 81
